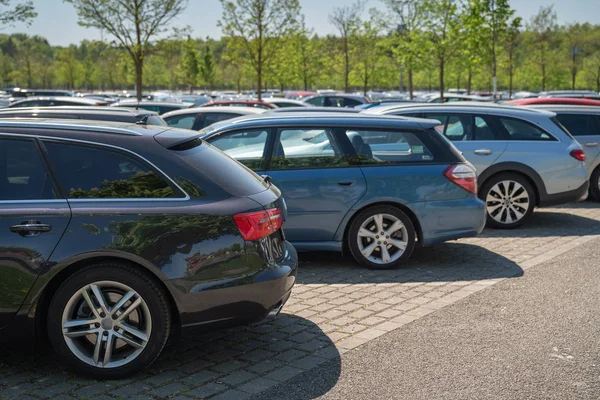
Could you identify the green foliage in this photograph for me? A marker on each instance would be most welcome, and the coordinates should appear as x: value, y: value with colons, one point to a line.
x: 23, y: 11
x: 207, y: 67
x: 190, y: 63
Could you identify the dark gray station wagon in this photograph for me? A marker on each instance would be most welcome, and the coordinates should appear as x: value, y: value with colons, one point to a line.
x: 113, y: 234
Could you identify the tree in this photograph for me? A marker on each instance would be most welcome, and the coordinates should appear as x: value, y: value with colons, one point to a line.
x: 543, y: 25
x: 259, y: 26
x: 21, y: 12
x: 133, y: 23
x: 367, y: 53
x: 407, y: 44
x: 189, y: 63
x: 513, y: 38
x: 442, y: 26
x: 69, y: 69
x: 207, y: 67
x: 307, y: 55
x: 347, y: 21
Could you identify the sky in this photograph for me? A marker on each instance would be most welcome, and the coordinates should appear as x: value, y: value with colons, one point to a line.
x: 57, y: 21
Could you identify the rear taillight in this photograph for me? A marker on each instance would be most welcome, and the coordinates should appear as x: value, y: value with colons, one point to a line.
x: 260, y: 224
x: 578, y: 154
x: 463, y: 175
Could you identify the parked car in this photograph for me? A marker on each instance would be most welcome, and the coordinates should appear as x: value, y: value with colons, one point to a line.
x: 113, y: 235
x: 315, y: 109
x: 299, y: 95
x: 18, y: 93
x: 523, y: 157
x: 196, y: 100
x: 584, y: 124
x: 582, y: 94
x: 201, y: 117
x: 156, y: 106
x: 57, y: 101
x: 374, y: 185
x: 336, y: 100
x: 454, y: 97
x: 141, y: 117
x: 285, y: 103
x: 554, y: 100
x: 241, y: 103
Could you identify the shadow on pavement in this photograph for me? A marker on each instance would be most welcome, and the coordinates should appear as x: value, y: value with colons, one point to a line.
x: 249, y: 359
x: 447, y: 262
x: 551, y: 223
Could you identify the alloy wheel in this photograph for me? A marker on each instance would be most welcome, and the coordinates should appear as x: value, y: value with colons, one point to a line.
x: 507, y: 202
x: 106, y: 324
x: 382, y: 238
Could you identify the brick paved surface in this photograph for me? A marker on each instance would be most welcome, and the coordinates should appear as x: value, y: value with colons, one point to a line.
x: 336, y: 306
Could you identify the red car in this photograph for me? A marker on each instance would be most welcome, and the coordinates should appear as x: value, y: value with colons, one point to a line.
x: 554, y: 100
x: 240, y: 103
x: 299, y: 95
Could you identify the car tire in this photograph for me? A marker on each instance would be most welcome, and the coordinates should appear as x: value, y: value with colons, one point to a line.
x: 595, y: 185
x: 134, y: 318
x: 509, y: 200
x: 375, y: 250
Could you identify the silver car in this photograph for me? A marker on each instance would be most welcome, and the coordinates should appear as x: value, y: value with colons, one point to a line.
x: 583, y: 122
x: 523, y: 157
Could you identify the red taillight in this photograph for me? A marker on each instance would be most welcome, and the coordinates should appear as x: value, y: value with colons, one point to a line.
x: 578, y: 154
x: 463, y: 175
x: 260, y: 224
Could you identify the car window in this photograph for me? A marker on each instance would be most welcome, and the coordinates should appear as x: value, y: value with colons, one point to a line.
x: 317, y: 101
x: 212, y: 118
x: 522, y: 130
x: 248, y: 147
x: 22, y: 173
x: 388, y: 147
x: 456, y: 127
x: 185, y: 121
x: 580, y: 124
x: 94, y: 173
x: 302, y: 148
x: 334, y: 102
x: 285, y: 105
x: 351, y: 102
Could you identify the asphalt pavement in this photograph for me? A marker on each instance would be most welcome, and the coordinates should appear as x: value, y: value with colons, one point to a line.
x: 533, y: 337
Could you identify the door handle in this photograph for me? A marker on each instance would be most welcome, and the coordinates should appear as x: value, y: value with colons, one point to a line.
x: 30, y: 228
x: 483, y: 152
x: 592, y: 144
x: 347, y: 183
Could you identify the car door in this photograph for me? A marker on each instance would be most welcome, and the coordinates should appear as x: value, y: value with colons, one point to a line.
x: 586, y: 130
x: 32, y: 221
x: 317, y: 181
x: 476, y: 136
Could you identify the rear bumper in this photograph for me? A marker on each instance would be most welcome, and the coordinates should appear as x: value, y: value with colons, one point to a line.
x: 241, y: 300
x: 571, y: 196
x: 449, y: 220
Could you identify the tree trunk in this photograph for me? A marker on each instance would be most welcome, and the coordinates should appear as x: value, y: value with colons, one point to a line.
x: 305, y: 83
x: 259, y: 90
x: 346, y: 66
x: 469, y: 79
x: 598, y: 81
x: 442, y: 80
x: 139, y: 74
x: 410, y: 83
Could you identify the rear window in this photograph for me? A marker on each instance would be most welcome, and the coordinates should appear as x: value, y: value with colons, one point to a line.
x: 223, y: 170
x: 580, y: 124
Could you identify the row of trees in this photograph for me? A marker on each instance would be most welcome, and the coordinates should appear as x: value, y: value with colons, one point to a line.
x: 404, y: 44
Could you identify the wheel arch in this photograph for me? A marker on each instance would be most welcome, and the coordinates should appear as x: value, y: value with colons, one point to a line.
x: 42, y: 304
x: 402, y: 207
x: 520, y: 169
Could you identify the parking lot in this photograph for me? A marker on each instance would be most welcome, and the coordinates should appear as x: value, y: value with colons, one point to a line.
x: 336, y: 307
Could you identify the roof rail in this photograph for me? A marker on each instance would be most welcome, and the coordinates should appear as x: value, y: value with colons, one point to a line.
x: 4, y: 123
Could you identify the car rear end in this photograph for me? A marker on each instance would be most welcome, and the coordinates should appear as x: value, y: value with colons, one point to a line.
x: 252, y: 273
x: 453, y: 211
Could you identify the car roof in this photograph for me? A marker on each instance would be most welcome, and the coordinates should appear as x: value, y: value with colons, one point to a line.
x: 319, y: 118
x: 74, y: 100
x: 152, y: 103
x: 459, y: 106
x: 77, y: 110
x: 215, y: 110
x: 56, y: 126
x: 566, y: 108
x: 315, y: 109
x: 555, y: 100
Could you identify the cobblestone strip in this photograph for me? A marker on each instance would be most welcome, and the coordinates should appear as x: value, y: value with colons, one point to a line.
x: 336, y: 306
